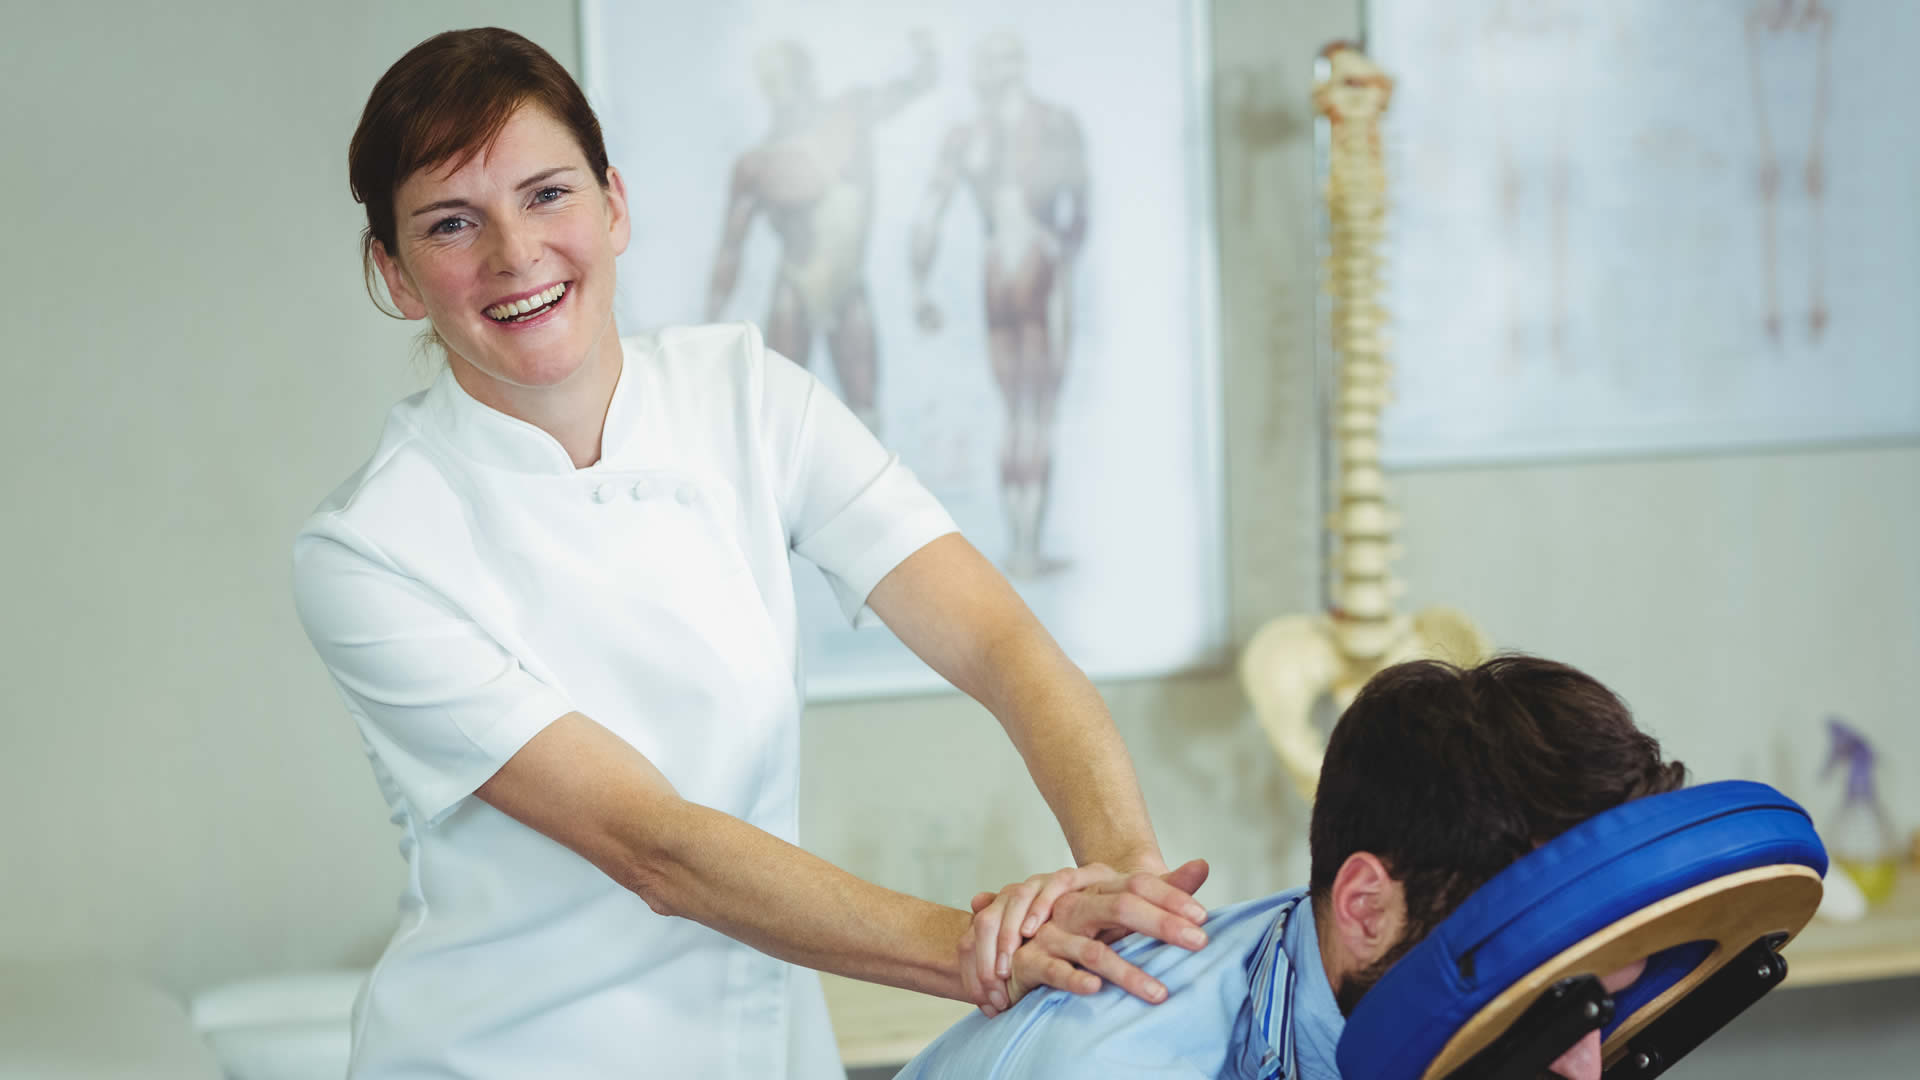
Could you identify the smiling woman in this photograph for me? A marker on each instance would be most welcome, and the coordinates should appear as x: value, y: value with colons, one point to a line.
x: 558, y: 604
x: 492, y: 211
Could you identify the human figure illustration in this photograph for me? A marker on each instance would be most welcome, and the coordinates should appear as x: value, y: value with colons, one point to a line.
x: 1788, y: 45
x: 812, y: 178
x: 1024, y: 162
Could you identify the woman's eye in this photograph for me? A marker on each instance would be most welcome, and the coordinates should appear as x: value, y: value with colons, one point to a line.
x: 448, y: 227
x: 548, y: 194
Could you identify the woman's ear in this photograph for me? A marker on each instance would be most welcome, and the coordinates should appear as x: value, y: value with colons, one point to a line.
x: 619, y: 225
x: 405, y: 297
x: 1368, y: 908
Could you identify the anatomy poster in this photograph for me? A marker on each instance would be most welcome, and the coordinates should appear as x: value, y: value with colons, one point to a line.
x: 984, y: 225
x: 1643, y: 226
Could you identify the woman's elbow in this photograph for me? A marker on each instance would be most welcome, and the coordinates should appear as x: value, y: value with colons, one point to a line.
x: 646, y: 867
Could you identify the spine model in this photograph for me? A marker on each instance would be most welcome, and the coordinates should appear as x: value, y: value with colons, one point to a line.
x: 1295, y: 662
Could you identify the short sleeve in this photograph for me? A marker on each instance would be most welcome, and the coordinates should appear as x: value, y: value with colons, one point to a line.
x: 439, y: 702
x: 850, y: 507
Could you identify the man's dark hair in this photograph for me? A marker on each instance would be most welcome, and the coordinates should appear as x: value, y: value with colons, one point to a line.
x: 1448, y: 775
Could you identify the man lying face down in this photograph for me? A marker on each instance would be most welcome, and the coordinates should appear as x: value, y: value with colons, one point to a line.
x: 1435, y: 779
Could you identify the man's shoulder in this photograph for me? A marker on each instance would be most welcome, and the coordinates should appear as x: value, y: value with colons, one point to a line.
x: 1245, y: 922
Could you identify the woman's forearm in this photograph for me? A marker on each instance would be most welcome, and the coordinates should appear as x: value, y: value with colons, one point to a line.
x: 960, y: 615
x: 725, y: 874
x: 592, y: 791
x: 1063, y: 731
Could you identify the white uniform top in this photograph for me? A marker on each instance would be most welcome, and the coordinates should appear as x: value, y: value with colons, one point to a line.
x: 468, y: 586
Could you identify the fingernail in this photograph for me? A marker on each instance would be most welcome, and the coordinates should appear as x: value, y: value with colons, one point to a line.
x: 1196, y: 913
x: 1192, y: 939
x: 1000, y: 968
x: 1156, y: 991
x: 999, y: 999
x: 1027, y: 929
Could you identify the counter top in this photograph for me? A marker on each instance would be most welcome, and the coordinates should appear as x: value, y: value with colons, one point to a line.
x: 1883, y: 945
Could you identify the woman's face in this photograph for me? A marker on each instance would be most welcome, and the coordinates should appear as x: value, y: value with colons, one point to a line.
x: 511, y: 256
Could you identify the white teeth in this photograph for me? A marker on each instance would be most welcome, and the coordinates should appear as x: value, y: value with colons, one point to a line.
x: 508, y: 311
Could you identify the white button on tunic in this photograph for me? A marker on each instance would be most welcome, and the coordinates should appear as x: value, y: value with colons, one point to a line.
x: 468, y: 586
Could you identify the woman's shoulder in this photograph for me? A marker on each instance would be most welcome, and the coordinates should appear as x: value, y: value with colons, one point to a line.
x: 713, y: 373
x: 702, y: 352
x: 400, y: 478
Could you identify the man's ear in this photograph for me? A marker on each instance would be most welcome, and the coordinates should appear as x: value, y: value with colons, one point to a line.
x: 404, y: 296
x: 1368, y: 908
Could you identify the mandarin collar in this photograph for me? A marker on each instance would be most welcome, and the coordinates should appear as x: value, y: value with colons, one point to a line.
x: 492, y: 438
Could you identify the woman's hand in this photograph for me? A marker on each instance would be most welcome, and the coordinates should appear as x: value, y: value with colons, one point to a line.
x: 1071, y: 915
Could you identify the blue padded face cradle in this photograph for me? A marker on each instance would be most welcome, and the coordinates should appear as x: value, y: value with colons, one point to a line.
x: 1585, y: 880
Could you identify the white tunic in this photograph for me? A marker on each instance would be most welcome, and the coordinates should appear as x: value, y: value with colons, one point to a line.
x: 468, y: 586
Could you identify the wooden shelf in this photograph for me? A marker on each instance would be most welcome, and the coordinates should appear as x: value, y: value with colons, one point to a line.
x: 881, y: 1025
x: 1884, y: 945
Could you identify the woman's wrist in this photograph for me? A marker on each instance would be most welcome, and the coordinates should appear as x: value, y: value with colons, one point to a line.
x: 1131, y: 861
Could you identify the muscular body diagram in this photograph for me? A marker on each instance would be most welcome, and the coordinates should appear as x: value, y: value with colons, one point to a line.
x: 1024, y: 163
x: 812, y: 179
x: 1788, y: 48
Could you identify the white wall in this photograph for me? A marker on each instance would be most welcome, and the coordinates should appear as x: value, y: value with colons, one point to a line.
x: 1735, y: 601
x: 191, y: 364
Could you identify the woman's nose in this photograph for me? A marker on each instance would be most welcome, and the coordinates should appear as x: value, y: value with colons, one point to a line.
x: 515, y: 249
x: 1582, y: 1062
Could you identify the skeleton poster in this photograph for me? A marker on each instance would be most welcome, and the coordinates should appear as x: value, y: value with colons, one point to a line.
x: 1643, y: 226
x: 985, y: 227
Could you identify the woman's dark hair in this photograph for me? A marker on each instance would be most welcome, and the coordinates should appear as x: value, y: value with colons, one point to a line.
x: 1448, y: 775
x: 445, y: 101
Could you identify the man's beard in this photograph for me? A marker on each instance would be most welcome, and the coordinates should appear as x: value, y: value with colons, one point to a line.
x: 1355, y: 985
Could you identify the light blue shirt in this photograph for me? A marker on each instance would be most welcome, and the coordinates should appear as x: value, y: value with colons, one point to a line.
x: 1253, y: 1005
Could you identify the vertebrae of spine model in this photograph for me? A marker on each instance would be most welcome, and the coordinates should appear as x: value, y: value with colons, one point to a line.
x: 1294, y: 662
x: 1352, y: 98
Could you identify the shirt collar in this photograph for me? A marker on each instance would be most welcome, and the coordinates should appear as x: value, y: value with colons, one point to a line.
x: 1291, y: 1023
x: 490, y: 437
x: 1317, y: 1020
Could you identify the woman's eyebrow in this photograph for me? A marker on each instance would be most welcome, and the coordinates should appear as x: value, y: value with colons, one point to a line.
x: 454, y: 204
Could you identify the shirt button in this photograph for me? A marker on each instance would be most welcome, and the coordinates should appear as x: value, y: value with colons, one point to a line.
x: 685, y: 495
x: 602, y: 493
x: 640, y: 490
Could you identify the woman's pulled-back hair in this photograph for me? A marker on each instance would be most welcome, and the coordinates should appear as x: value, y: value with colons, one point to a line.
x: 1449, y: 775
x: 445, y: 101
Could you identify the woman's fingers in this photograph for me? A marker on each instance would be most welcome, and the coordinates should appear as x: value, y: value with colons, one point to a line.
x: 1164, y: 895
x: 979, y: 951
x: 1037, y: 969
x: 982, y: 899
x: 1188, y: 876
x: 1018, y: 899
x: 1094, y: 912
x: 1058, y: 885
x: 1077, y: 964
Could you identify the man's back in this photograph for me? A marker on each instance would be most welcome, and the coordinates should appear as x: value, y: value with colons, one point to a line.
x: 1255, y: 999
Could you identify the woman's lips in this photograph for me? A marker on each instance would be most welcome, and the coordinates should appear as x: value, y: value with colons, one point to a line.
x: 542, y: 309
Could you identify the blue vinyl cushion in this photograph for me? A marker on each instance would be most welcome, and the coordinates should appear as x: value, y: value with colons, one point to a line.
x: 1586, y: 879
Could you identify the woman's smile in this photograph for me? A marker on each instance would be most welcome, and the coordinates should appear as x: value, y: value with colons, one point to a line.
x: 528, y: 309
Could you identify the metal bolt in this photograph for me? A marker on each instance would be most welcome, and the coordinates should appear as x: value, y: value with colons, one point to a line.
x: 1641, y: 1061
x: 1593, y: 1010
